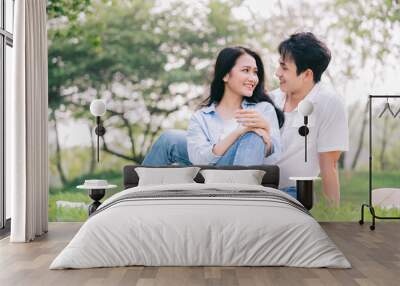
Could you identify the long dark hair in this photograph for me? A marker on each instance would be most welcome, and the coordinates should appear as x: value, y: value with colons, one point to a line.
x: 225, y: 62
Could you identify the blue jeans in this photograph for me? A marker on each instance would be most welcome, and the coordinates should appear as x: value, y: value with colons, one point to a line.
x: 171, y: 147
x: 291, y: 191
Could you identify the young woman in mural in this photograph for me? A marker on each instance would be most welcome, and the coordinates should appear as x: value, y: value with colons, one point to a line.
x: 237, y: 125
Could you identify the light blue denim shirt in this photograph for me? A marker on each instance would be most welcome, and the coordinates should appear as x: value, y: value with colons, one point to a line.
x: 206, y: 127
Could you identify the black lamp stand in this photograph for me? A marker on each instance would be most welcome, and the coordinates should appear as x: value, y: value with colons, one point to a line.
x: 100, y: 131
x: 303, y: 131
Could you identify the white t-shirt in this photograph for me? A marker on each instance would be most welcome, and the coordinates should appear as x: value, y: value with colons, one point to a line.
x: 329, y: 131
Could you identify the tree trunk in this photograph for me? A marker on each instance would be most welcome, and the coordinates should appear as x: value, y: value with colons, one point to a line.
x: 383, y: 144
x: 92, y: 152
x: 361, y: 137
x: 63, y: 178
x: 341, y: 160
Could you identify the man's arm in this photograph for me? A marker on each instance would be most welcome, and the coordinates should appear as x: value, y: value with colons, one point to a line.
x: 330, y: 176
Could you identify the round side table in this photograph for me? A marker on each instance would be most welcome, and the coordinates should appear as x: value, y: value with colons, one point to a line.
x: 305, y: 192
x: 96, y: 193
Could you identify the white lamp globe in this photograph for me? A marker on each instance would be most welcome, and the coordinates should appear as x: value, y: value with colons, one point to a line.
x: 98, y: 107
x: 305, y: 107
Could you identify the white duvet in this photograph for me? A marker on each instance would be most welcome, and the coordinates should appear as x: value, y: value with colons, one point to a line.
x: 182, y: 231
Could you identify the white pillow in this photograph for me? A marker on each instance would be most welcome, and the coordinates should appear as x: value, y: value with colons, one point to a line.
x: 165, y: 176
x: 249, y: 177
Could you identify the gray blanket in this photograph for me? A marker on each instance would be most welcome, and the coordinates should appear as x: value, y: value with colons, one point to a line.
x: 205, y: 193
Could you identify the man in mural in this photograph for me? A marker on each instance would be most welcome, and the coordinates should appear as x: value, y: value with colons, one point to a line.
x: 303, y: 60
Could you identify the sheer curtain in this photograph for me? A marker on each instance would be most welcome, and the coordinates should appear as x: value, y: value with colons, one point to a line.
x: 28, y: 123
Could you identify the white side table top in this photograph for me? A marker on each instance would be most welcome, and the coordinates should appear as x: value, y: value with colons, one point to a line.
x: 96, y: 187
x: 304, y: 178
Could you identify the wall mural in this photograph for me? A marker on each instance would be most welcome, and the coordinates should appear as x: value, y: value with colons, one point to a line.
x: 153, y: 63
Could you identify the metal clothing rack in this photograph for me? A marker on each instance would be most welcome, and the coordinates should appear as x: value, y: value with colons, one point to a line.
x: 369, y: 205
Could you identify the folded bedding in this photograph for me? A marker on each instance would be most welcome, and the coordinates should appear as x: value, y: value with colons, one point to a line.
x: 201, y: 225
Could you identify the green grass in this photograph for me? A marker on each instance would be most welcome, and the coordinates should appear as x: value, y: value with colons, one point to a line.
x: 71, y: 194
x: 348, y: 211
x: 354, y: 192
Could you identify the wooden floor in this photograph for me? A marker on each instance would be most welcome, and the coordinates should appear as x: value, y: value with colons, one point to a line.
x: 374, y: 255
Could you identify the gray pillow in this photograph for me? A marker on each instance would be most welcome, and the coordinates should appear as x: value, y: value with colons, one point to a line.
x: 249, y: 177
x: 165, y: 176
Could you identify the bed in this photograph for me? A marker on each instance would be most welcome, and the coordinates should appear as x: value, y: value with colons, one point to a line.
x: 198, y: 224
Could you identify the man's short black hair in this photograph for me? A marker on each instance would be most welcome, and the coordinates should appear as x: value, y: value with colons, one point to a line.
x: 307, y: 52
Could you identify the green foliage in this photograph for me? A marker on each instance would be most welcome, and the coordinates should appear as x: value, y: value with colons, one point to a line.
x: 134, y: 54
x: 369, y: 29
x: 77, y: 167
x: 66, y: 8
